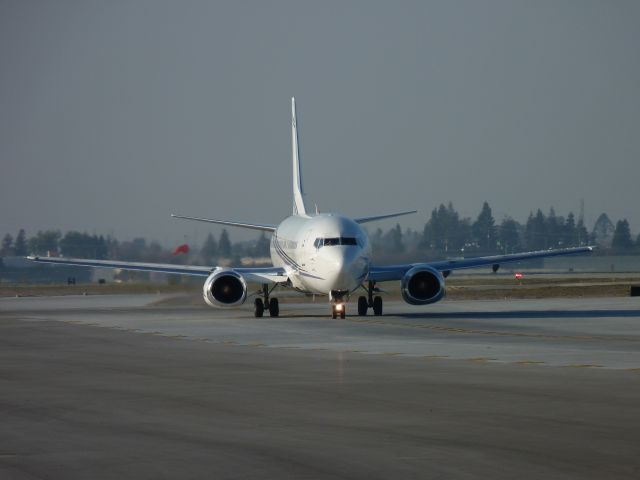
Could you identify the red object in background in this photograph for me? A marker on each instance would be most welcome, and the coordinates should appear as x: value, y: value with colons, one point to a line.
x: 181, y: 249
x: 519, y: 276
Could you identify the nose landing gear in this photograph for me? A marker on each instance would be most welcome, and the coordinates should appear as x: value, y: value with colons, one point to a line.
x: 338, y: 310
x: 339, y: 304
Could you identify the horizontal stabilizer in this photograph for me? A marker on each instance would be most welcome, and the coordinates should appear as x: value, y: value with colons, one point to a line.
x: 252, y: 226
x: 382, y: 217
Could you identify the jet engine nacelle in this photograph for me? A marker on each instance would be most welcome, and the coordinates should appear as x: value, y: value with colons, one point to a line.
x: 422, y: 285
x: 225, y: 288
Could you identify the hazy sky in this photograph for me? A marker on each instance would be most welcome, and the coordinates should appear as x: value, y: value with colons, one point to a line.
x: 113, y: 114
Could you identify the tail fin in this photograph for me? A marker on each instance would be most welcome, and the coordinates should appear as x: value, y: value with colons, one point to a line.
x: 299, y: 207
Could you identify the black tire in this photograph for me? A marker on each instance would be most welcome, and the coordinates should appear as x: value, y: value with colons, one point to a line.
x: 258, y: 307
x: 377, y: 306
x: 334, y: 315
x: 363, y: 306
x: 343, y: 312
x: 274, y: 307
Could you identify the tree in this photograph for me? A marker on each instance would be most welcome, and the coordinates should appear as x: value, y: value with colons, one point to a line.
x: 133, y: 250
x: 377, y: 243
x: 484, y: 230
x: 209, y: 250
x: 394, y: 239
x: 261, y: 248
x: 536, y: 231
x: 7, y: 246
x: 83, y: 245
x: 555, y: 229
x: 582, y: 235
x: 622, y: 236
x: 20, y: 245
x: 44, y: 242
x: 224, y: 244
x: 603, y: 230
x: 569, y: 232
x: 445, y: 231
x: 508, y: 236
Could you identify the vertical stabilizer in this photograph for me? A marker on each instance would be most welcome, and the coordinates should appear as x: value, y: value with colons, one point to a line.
x: 298, y: 193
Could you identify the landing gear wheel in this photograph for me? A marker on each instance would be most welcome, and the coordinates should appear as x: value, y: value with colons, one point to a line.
x: 338, y: 310
x: 363, y: 306
x: 258, y: 307
x: 274, y: 307
x: 377, y: 306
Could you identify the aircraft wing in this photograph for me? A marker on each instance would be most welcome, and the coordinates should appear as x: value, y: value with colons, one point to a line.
x: 250, y: 274
x: 396, y: 272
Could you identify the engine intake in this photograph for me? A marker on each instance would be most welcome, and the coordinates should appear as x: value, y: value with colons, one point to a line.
x: 422, y: 285
x: 225, y: 288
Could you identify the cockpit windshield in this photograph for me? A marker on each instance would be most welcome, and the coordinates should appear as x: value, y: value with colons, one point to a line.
x: 332, y: 241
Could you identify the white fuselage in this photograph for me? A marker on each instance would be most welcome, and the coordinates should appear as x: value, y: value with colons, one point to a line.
x: 325, y: 254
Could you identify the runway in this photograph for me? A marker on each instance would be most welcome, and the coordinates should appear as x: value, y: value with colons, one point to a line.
x: 133, y: 387
x: 590, y: 332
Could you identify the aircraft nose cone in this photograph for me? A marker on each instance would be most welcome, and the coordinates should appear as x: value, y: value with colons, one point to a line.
x: 346, y: 268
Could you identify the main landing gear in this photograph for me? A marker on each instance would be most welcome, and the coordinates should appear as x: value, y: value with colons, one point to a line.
x: 271, y: 304
x: 364, y: 303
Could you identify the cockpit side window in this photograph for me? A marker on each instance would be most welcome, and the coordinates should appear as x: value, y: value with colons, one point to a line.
x: 348, y: 241
x: 330, y: 242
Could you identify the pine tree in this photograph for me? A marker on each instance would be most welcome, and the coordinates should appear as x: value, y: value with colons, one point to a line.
x: 536, y: 231
x: 209, y: 250
x: 224, y: 244
x: 582, y: 234
x: 7, y: 246
x: 445, y: 231
x: 20, y: 245
x: 603, y: 230
x: 102, y: 249
x: 508, y: 236
x: 395, y: 239
x: 45, y: 242
x: 377, y: 243
x: 622, y: 236
x: 484, y: 230
x: 555, y: 229
x: 569, y: 234
x: 262, y: 246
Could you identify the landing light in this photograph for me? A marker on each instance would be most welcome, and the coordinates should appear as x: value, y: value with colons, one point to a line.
x: 338, y: 307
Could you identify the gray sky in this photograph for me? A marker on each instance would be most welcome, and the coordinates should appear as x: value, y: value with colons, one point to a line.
x: 114, y: 114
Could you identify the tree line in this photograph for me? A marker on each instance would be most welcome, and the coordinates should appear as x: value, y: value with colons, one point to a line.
x: 83, y: 245
x: 446, y: 234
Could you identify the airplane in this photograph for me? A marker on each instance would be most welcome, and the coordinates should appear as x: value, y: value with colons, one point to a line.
x: 317, y: 253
